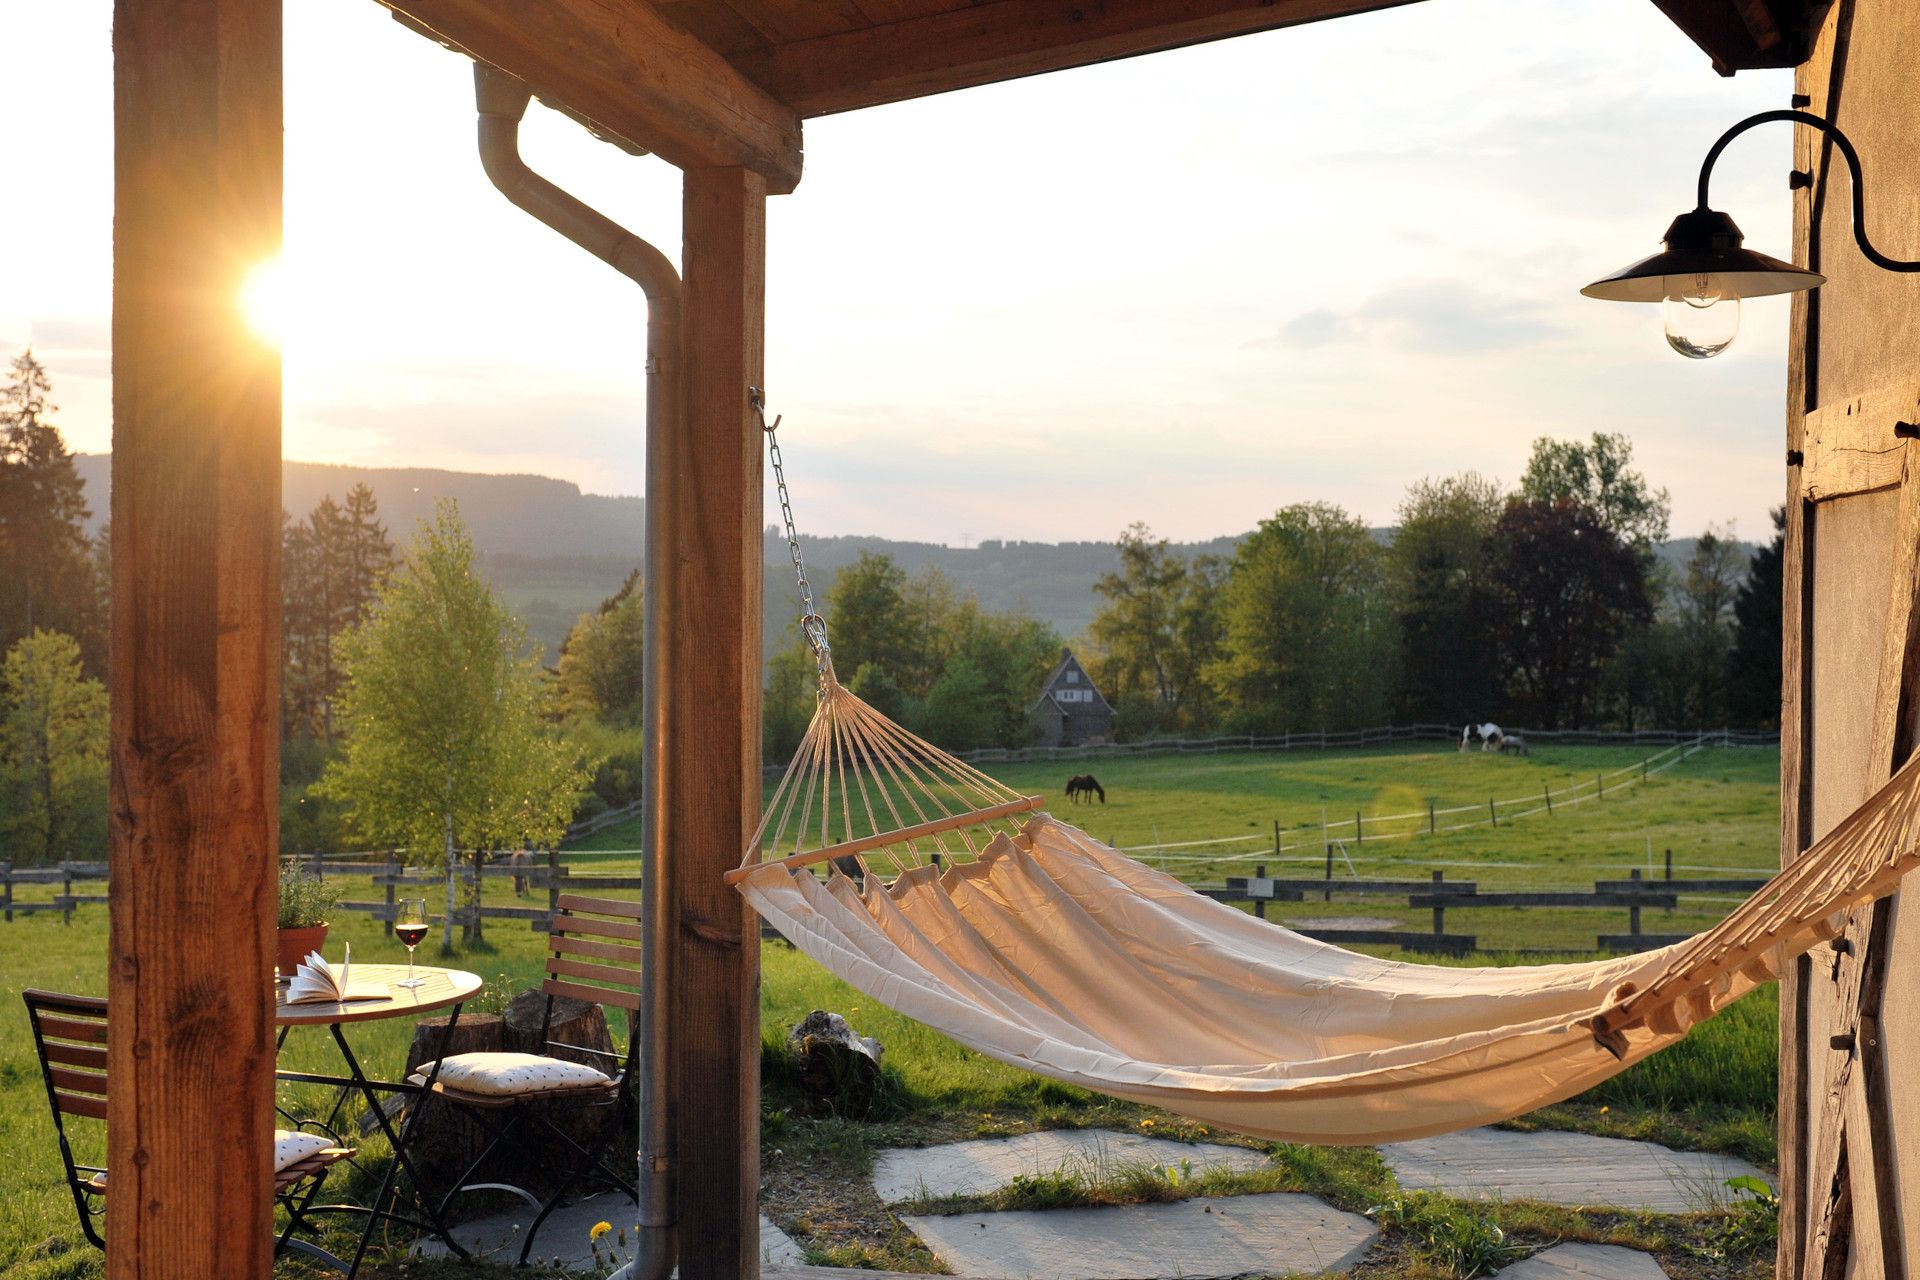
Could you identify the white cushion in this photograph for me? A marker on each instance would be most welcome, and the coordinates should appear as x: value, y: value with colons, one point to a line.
x: 291, y: 1148
x: 503, y: 1075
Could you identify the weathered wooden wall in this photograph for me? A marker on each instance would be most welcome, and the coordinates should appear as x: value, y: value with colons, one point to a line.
x: 1850, y: 1015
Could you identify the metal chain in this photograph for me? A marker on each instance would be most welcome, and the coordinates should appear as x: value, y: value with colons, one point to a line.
x: 812, y: 625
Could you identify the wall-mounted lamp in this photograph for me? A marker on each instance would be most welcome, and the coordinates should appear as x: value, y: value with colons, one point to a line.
x: 1704, y: 273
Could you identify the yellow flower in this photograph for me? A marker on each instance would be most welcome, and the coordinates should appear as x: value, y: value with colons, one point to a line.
x: 1604, y: 1110
x: 599, y: 1229
x: 1146, y: 1124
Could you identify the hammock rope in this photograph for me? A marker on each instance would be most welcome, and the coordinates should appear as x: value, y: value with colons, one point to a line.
x: 1027, y: 940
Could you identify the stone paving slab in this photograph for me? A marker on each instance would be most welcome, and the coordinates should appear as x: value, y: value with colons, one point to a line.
x: 987, y: 1164
x: 564, y: 1235
x: 1190, y: 1239
x: 1567, y: 1169
x: 1586, y: 1262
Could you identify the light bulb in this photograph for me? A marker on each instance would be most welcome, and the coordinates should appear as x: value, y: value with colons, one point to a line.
x: 1701, y: 317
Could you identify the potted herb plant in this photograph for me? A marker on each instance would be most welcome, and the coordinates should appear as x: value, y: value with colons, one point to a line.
x: 305, y: 901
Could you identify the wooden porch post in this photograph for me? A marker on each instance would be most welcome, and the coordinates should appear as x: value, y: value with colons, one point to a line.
x: 195, y: 657
x: 713, y: 723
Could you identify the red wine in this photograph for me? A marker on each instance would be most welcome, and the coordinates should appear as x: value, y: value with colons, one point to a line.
x: 411, y: 934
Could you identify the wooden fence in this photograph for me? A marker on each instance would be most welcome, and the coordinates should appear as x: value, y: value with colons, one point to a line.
x: 1439, y: 895
x: 547, y: 878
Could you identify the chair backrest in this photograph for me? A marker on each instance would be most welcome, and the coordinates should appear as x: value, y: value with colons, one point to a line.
x: 595, y: 952
x: 70, y: 1033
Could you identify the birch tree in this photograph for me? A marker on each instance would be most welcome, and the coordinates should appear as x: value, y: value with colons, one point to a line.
x: 450, y: 737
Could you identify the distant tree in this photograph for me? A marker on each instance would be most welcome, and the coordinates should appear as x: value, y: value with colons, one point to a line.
x: 789, y: 700
x: 1753, y: 669
x: 50, y: 578
x: 958, y: 714
x: 868, y: 615
x: 53, y: 752
x: 1309, y: 640
x: 331, y: 567
x: 1012, y: 653
x: 1706, y: 596
x: 1439, y: 574
x: 450, y: 738
x: 1599, y: 476
x: 1568, y: 590
x: 1155, y: 632
x: 603, y: 661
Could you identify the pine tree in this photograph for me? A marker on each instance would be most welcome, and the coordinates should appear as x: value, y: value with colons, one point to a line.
x: 50, y: 577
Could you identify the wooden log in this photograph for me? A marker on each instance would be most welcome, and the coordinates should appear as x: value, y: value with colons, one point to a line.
x: 446, y: 1140
x: 194, y: 669
x: 704, y: 600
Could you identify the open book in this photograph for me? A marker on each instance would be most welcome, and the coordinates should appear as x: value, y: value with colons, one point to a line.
x: 317, y: 982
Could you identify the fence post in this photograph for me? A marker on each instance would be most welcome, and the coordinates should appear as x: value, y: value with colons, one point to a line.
x: 1493, y: 814
x: 1359, y: 832
x: 6, y: 888
x: 1431, y: 828
x: 554, y: 873
x: 1276, y: 840
x: 476, y: 923
x: 319, y: 868
x: 1439, y: 912
x: 1260, y: 904
x: 1669, y: 864
x: 66, y: 889
x: 1600, y: 782
x: 1633, y: 913
x: 1643, y: 768
x: 1329, y: 894
x: 393, y: 870
x: 1547, y: 791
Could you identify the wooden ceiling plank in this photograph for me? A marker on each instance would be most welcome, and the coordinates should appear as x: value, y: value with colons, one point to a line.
x: 1005, y: 39
x: 634, y: 74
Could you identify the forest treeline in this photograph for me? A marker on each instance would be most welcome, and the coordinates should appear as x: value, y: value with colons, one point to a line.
x: 416, y: 711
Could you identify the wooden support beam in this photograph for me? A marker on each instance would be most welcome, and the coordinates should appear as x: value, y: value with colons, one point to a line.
x: 628, y: 72
x: 994, y: 40
x: 195, y: 659
x: 712, y: 671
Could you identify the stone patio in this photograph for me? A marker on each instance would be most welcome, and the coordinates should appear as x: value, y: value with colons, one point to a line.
x: 987, y: 1164
x: 1229, y: 1236
x: 1586, y: 1262
x: 1567, y: 1169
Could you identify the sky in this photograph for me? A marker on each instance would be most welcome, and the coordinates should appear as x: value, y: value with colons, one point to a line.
x: 1187, y: 289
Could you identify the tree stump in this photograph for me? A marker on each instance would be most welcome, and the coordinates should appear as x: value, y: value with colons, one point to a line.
x: 582, y: 1024
x: 446, y: 1141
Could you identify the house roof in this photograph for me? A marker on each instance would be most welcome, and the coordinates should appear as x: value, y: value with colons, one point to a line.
x: 1053, y: 678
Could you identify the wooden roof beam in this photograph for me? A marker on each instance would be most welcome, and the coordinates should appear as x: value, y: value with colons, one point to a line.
x: 629, y: 74
x: 1004, y: 39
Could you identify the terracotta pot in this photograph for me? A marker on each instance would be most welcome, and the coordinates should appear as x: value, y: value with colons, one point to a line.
x: 296, y: 943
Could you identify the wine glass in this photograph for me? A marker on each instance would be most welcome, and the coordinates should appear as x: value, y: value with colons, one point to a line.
x: 410, y: 925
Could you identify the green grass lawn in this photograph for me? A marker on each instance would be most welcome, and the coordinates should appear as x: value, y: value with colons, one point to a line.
x: 1715, y: 1090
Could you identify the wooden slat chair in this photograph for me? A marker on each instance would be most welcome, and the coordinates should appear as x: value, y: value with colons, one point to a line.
x: 594, y: 955
x: 70, y: 1035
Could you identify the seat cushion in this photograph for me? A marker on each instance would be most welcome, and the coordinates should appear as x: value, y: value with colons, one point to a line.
x: 289, y: 1147
x: 507, y: 1075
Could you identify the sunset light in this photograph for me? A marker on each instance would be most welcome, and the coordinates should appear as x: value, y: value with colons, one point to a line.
x: 263, y: 301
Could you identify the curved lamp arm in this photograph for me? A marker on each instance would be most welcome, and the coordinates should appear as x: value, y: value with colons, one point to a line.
x: 1851, y: 156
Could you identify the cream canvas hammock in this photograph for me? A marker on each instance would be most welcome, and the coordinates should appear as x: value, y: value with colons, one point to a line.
x: 1029, y: 941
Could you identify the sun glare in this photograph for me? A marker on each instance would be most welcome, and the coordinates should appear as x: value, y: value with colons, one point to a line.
x: 263, y: 301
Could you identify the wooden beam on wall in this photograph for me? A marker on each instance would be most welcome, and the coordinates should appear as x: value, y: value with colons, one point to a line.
x: 195, y: 652
x: 994, y: 40
x: 713, y: 482
x: 630, y: 72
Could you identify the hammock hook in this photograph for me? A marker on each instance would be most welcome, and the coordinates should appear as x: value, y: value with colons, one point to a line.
x: 812, y: 625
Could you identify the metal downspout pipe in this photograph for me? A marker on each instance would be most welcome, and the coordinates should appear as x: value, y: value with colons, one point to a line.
x: 502, y: 102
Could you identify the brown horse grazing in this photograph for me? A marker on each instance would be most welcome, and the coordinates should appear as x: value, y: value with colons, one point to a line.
x: 1085, y: 785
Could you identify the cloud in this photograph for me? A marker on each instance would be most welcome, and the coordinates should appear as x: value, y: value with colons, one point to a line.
x: 1442, y: 317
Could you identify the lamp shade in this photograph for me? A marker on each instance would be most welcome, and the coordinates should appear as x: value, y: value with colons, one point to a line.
x: 1703, y: 242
